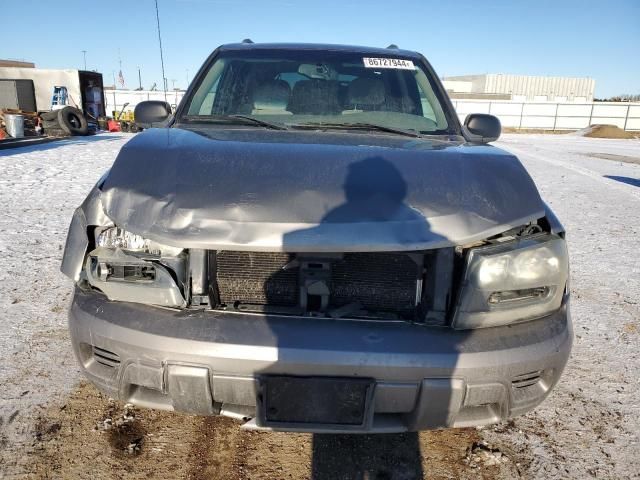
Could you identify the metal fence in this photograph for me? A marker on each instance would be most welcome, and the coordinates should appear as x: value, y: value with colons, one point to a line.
x: 543, y: 116
x: 116, y: 99
x: 554, y: 116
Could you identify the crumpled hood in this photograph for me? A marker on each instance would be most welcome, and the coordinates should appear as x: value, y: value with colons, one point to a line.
x: 256, y: 189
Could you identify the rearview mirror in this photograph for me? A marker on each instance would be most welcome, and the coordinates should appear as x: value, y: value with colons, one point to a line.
x: 151, y: 112
x: 482, y: 128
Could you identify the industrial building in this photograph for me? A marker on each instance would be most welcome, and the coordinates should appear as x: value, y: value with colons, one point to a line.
x: 521, y: 88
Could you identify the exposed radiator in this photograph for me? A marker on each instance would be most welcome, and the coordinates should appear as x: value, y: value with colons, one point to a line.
x: 379, y: 282
x: 256, y: 277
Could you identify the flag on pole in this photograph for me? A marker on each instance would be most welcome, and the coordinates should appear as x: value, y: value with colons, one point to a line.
x: 121, y: 79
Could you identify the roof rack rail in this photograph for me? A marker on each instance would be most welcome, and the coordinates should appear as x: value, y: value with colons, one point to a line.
x: 393, y: 46
x: 247, y: 40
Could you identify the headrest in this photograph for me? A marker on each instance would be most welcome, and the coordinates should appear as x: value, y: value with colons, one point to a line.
x: 271, y: 95
x: 314, y: 97
x: 366, y: 91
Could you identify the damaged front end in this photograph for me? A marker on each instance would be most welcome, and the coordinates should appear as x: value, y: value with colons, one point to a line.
x: 212, y: 331
x: 122, y: 265
x: 517, y: 275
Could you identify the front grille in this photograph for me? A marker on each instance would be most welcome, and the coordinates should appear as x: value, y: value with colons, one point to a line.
x: 377, y: 282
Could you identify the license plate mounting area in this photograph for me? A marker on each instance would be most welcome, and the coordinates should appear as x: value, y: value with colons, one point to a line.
x: 323, y: 401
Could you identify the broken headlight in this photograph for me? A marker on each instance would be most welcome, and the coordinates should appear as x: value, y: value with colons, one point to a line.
x: 127, y: 267
x: 511, y: 282
x: 116, y: 237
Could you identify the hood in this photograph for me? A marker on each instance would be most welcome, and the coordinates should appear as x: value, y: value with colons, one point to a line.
x: 256, y: 189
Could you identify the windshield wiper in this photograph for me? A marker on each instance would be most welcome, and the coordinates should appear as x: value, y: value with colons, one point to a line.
x: 355, y: 126
x: 234, y: 119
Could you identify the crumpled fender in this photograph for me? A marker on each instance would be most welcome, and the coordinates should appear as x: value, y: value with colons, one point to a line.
x: 91, y: 212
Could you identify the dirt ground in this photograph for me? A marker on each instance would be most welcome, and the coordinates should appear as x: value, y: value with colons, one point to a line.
x: 593, y: 131
x: 605, y: 131
x: 93, y: 437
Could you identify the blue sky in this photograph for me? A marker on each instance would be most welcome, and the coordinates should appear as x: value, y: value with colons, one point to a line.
x: 568, y: 38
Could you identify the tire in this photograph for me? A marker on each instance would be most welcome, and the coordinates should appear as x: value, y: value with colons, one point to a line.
x: 72, y: 121
x: 55, y: 132
x: 50, y: 123
x: 53, y: 115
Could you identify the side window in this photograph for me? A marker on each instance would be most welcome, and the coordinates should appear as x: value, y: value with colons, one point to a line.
x: 431, y: 108
x: 205, y: 96
x: 207, y: 105
x: 427, y: 109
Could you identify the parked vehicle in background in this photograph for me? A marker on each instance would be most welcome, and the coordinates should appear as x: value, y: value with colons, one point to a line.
x: 313, y: 242
x: 84, y: 88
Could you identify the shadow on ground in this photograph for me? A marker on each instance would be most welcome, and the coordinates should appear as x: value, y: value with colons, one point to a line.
x: 635, y: 182
x: 366, y: 457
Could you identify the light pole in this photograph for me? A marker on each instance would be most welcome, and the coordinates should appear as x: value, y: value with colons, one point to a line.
x: 84, y: 55
x: 161, y: 55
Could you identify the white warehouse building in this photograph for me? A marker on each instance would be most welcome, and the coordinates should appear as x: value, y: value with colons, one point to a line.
x: 521, y: 88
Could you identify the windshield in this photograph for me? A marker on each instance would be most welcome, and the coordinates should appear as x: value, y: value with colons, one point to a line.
x: 318, y: 88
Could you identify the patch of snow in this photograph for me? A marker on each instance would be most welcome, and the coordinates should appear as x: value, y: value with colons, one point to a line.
x: 40, y: 187
x: 589, y: 425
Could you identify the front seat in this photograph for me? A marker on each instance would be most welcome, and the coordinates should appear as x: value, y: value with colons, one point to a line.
x: 314, y: 97
x: 271, y: 98
x: 365, y: 94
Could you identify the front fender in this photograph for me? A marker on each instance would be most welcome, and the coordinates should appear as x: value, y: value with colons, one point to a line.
x: 90, y: 213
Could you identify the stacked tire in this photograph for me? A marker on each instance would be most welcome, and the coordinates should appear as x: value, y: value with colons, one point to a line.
x: 65, y: 122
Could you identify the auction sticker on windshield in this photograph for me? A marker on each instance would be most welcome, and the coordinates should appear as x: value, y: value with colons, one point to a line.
x: 388, y: 63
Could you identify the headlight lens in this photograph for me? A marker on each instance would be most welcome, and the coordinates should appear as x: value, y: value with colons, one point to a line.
x: 507, y: 283
x: 116, y: 237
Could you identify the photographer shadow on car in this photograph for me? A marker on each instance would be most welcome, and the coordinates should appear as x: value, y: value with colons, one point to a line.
x: 375, y: 211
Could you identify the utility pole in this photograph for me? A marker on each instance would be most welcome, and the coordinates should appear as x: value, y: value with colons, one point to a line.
x: 161, y: 55
x: 84, y: 54
x: 139, y: 78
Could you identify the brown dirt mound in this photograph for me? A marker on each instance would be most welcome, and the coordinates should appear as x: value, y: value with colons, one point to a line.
x: 604, y: 131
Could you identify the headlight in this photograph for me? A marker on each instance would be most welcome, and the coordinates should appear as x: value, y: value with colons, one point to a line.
x: 129, y: 268
x: 116, y: 237
x: 511, y: 282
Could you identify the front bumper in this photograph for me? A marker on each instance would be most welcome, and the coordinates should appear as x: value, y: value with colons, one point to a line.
x: 209, y: 363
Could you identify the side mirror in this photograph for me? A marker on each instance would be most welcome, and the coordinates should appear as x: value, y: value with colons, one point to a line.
x: 482, y: 128
x: 151, y: 112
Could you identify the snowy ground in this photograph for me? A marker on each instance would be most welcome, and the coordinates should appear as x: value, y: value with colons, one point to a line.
x: 40, y: 187
x: 588, y: 427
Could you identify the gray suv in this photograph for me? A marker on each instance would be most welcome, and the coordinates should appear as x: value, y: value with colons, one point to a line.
x: 313, y: 242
